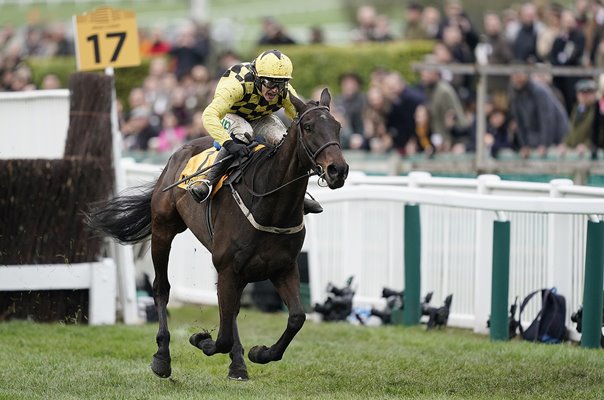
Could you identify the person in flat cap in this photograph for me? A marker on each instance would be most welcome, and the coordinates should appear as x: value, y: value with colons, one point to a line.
x: 582, y: 118
x: 586, y: 86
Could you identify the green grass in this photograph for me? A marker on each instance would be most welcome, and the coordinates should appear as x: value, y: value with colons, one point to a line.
x: 325, y: 361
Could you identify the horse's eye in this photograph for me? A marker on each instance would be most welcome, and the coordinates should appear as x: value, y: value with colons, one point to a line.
x: 306, y: 127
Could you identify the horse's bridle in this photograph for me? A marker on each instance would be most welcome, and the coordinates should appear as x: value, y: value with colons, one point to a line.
x: 317, y: 169
x: 313, y: 156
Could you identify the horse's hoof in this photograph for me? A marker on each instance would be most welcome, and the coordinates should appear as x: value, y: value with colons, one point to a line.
x: 259, y: 355
x: 204, y: 342
x: 197, y: 338
x: 238, y: 375
x: 161, y: 367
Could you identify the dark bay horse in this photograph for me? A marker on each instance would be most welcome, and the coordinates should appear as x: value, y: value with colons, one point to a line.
x: 241, y: 253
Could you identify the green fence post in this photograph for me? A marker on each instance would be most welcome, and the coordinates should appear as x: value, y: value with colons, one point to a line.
x: 411, y: 312
x: 500, y: 281
x: 592, y: 287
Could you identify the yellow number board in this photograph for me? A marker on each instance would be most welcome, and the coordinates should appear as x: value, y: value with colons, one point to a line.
x: 106, y: 37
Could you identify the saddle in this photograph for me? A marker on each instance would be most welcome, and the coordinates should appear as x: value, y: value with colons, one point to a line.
x: 207, y: 158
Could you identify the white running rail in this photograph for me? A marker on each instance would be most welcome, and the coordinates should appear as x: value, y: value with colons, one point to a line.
x: 361, y: 234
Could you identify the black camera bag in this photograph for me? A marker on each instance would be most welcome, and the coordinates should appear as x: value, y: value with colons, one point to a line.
x: 548, y: 326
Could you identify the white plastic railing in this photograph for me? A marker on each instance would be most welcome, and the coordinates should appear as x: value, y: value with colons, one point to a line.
x: 361, y: 234
x: 547, y: 249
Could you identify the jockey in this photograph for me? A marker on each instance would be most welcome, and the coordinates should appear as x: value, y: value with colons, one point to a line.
x: 246, y: 97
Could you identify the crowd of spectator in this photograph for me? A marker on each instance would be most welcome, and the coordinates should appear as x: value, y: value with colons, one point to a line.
x: 524, y: 112
x: 381, y: 112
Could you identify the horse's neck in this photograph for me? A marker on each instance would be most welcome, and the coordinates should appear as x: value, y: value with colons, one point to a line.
x: 284, y: 168
x: 286, y: 164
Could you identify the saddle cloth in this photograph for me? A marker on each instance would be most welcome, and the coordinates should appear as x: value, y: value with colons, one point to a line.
x: 202, y: 160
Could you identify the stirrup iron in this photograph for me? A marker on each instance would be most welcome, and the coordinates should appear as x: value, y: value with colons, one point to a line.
x: 191, y: 188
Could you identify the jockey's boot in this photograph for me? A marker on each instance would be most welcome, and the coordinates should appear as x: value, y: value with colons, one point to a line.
x: 201, y: 191
x: 312, y: 206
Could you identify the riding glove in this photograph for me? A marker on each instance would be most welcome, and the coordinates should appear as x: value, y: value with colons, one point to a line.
x: 236, y: 148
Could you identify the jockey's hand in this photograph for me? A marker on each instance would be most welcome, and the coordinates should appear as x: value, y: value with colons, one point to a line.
x: 236, y: 149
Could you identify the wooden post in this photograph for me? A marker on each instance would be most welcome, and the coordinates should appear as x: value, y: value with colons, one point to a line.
x: 481, y: 97
x: 124, y: 255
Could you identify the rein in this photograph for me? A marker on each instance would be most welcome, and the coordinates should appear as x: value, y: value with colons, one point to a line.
x: 255, y: 194
x: 317, y: 170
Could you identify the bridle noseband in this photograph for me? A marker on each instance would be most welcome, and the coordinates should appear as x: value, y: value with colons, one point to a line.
x: 313, y: 156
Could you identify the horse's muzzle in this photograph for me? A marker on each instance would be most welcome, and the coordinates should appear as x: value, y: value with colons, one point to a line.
x: 335, y: 175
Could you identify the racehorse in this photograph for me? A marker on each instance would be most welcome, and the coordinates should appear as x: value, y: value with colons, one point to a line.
x: 254, y: 233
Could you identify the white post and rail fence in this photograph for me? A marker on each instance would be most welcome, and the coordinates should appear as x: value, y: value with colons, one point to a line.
x: 512, y: 237
x: 447, y: 235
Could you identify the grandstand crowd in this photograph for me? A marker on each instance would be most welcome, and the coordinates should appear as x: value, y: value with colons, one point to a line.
x: 525, y: 113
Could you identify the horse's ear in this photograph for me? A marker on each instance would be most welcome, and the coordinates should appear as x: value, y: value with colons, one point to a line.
x: 325, y: 98
x: 298, y: 104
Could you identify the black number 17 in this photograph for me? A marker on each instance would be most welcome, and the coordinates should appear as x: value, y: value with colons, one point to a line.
x: 95, y: 42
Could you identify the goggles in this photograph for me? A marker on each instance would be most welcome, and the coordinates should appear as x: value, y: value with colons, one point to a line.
x: 272, y: 84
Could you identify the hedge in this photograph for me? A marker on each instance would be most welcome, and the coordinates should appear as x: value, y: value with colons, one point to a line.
x: 321, y: 65
x: 125, y: 78
x: 314, y: 65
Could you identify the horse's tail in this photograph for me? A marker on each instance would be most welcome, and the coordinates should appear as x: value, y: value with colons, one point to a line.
x: 127, y: 218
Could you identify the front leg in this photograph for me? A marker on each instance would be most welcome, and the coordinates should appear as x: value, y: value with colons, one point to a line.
x: 288, y: 286
x: 237, y: 369
x: 229, y: 296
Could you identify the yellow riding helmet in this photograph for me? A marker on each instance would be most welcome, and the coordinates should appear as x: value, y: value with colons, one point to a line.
x: 273, y: 64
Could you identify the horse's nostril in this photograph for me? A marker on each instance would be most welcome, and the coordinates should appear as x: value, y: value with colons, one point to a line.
x: 335, y: 171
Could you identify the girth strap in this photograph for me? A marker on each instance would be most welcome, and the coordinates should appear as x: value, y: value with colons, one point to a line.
x: 250, y: 217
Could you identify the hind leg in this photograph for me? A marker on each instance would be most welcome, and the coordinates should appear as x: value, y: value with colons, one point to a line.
x: 288, y: 286
x: 161, y: 242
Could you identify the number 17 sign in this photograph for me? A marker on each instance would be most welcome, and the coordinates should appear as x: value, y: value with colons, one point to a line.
x: 106, y: 37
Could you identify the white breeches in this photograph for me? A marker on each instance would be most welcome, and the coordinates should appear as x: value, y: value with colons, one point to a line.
x: 270, y: 128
